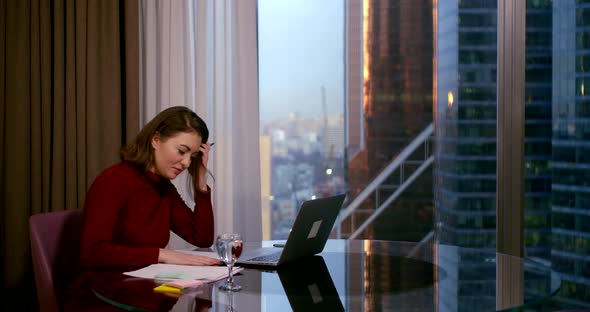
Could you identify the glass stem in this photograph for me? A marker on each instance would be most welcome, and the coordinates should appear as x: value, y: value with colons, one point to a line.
x: 230, y: 279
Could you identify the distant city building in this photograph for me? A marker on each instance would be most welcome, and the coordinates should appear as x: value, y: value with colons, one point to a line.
x: 301, y: 152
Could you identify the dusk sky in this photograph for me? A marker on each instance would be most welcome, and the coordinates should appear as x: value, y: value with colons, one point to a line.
x: 300, y: 49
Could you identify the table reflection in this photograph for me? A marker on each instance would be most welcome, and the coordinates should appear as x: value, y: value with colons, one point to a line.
x: 309, y: 286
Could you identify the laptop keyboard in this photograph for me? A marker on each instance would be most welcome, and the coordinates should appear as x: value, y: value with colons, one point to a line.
x: 274, y: 257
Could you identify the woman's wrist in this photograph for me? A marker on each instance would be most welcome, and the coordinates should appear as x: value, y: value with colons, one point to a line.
x: 202, y: 188
x: 203, y: 184
x: 162, y: 255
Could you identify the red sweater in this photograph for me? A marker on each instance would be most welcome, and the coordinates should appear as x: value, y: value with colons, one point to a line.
x: 128, y: 215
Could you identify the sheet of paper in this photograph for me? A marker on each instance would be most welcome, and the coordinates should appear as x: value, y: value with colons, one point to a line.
x: 163, y: 271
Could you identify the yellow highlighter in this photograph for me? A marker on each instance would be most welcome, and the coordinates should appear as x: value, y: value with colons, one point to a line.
x: 167, y: 289
x: 176, y: 287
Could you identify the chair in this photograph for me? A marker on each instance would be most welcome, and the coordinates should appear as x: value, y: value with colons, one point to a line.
x: 55, y: 240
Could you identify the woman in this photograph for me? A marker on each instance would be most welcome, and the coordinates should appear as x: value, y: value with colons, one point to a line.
x: 131, y: 206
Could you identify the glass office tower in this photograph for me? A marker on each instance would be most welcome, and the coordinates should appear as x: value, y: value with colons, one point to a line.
x: 537, y: 141
x: 465, y: 163
x: 465, y: 148
x: 570, y: 253
x: 396, y: 98
x: 389, y: 60
x: 466, y: 125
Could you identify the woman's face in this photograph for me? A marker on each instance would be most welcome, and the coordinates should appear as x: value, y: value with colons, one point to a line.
x: 173, y: 155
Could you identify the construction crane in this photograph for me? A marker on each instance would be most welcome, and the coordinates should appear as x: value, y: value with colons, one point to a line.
x: 330, y: 153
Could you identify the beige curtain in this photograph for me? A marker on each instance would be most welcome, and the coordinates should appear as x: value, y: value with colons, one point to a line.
x: 167, y: 71
x: 68, y: 100
x: 204, y: 54
x: 233, y: 102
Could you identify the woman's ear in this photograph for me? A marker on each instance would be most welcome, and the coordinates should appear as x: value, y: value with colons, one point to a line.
x: 156, y: 140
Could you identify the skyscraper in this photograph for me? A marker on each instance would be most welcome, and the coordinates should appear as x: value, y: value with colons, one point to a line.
x: 397, y: 66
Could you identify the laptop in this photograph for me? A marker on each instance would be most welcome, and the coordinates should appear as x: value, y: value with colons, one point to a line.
x: 309, y: 286
x: 308, y: 236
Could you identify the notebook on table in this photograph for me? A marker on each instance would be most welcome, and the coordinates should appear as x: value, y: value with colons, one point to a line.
x: 309, y: 286
x: 308, y: 236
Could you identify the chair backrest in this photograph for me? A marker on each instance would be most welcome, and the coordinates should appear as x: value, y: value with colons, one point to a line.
x: 55, y: 240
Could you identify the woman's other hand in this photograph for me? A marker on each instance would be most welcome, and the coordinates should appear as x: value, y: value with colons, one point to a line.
x: 177, y: 257
x: 201, y: 181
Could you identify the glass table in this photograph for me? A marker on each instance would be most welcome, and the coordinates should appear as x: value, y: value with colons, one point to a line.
x: 359, y: 275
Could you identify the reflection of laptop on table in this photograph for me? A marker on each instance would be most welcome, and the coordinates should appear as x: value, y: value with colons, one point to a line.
x: 308, y: 236
x: 308, y: 285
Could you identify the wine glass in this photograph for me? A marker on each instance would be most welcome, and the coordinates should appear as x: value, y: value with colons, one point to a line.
x: 229, y: 249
